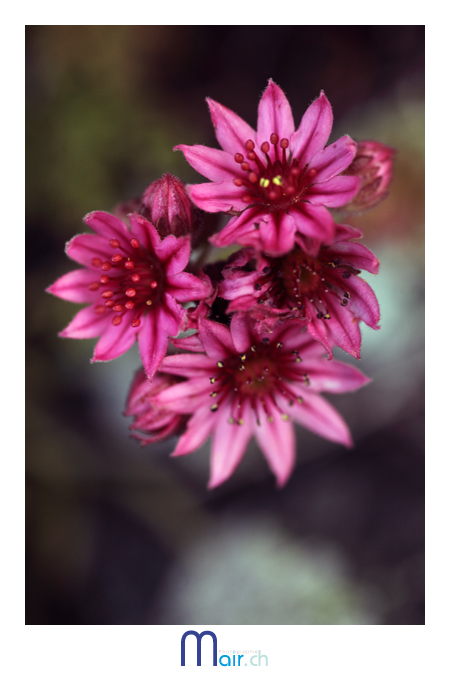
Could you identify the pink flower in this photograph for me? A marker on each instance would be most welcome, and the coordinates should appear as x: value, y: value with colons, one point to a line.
x: 276, y: 182
x: 246, y: 385
x: 325, y: 290
x: 134, y: 282
x: 373, y: 164
x: 154, y: 425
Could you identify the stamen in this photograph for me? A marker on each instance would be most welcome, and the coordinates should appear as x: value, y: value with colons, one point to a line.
x: 243, y: 357
x: 213, y: 394
x: 265, y: 147
x: 212, y: 380
x: 129, y: 264
x: 274, y: 138
x: 240, y: 421
x: 117, y: 258
x: 214, y: 407
x: 117, y: 321
x: 106, y: 266
x: 109, y: 303
x: 100, y: 309
x: 279, y: 345
x: 220, y: 364
x: 153, y: 284
x: 253, y: 177
x: 114, y: 243
x: 94, y: 286
x: 135, y: 278
x: 239, y: 158
x: 118, y: 308
x: 238, y: 182
x: 253, y: 348
x: 107, y: 294
x: 265, y: 341
x: 129, y: 304
x: 135, y: 323
x: 149, y: 303
x: 285, y: 417
x: 284, y: 143
x: 96, y: 262
x: 264, y: 182
x: 134, y: 243
x: 104, y: 279
x: 130, y: 292
x: 245, y: 166
x: 230, y: 420
x: 249, y: 145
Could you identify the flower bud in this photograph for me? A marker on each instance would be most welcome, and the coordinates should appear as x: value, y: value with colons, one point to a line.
x: 166, y: 204
x: 153, y: 423
x: 373, y: 165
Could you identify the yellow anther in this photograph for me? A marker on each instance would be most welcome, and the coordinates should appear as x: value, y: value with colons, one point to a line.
x: 220, y: 364
x: 270, y: 419
x: 212, y: 380
x: 285, y: 417
x: 298, y: 359
x: 242, y: 367
x: 213, y: 393
x: 243, y: 357
x: 264, y: 182
x: 149, y: 302
x: 279, y: 345
x: 230, y: 420
x: 240, y: 421
x: 299, y: 399
x: 214, y: 407
x: 277, y: 180
x: 253, y: 348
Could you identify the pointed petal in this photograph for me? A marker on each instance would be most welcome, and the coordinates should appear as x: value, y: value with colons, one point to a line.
x: 173, y: 253
x: 333, y: 159
x: 335, y: 192
x: 277, y: 233
x: 83, y: 248
x: 335, y: 377
x: 185, y: 287
x: 189, y: 365
x: 363, y: 301
x: 231, y: 130
x: 356, y: 255
x: 276, y: 440
x: 74, y: 286
x: 317, y: 415
x: 344, y: 327
x: 144, y: 231
x: 199, y: 428
x: 153, y: 342
x: 240, y: 333
x: 115, y: 341
x: 314, y: 221
x: 171, y: 316
x: 214, y: 164
x: 192, y: 343
x: 346, y: 232
x: 229, y: 443
x: 314, y: 130
x: 215, y: 197
x: 242, y: 229
x: 185, y: 397
x: 216, y: 338
x: 87, y: 324
x: 108, y: 226
x: 274, y: 116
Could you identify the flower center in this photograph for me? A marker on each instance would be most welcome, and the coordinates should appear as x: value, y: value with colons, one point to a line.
x: 278, y: 182
x: 133, y: 281
x: 256, y: 376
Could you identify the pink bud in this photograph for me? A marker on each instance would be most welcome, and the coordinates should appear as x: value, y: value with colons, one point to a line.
x: 373, y: 164
x: 166, y: 204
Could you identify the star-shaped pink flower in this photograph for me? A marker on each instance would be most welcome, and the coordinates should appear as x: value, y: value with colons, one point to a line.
x: 134, y: 282
x: 277, y: 182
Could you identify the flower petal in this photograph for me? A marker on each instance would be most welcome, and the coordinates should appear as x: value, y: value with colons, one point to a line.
x: 144, y: 231
x: 356, y: 255
x: 74, y: 286
x: 317, y: 415
x: 153, y: 342
x: 231, y: 130
x: 214, y: 197
x: 115, y: 340
x: 363, y: 301
x: 314, y: 130
x: 274, y: 116
x: 108, y: 226
x: 314, y: 221
x: 242, y: 229
x: 277, y: 231
x: 335, y: 377
x: 214, y: 164
x: 173, y: 253
x: 83, y: 248
x: 189, y: 365
x: 229, y: 443
x: 335, y: 192
x: 185, y: 287
x: 87, y: 324
x: 333, y: 159
x: 344, y: 327
x: 216, y: 338
x: 276, y: 440
x: 240, y: 332
x: 199, y: 428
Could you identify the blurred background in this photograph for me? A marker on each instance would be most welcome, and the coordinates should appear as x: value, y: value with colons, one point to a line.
x: 118, y: 534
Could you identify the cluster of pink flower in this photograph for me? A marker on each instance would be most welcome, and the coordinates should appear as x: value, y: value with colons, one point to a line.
x: 266, y: 319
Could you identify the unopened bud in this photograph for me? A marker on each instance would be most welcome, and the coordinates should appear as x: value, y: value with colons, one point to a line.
x: 373, y: 164
x: 166, y: 204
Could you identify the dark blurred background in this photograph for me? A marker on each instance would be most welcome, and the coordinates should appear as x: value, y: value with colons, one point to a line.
x: 117, y: 534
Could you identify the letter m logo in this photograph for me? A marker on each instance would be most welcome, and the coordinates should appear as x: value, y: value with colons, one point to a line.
x: 199, y: 646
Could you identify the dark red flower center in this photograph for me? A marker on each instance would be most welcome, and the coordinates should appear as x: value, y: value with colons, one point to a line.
x: 132, y: 281
x: 256, y: 376
x: 278, y: 182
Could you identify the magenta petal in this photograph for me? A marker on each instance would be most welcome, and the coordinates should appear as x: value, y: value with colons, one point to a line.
x: 188, y: 365
x: 319, y: 330
x: 185, y: 287
x: 356, y: 255
x: 240, y: 230
x: 335, y: 192
x: 363, y: 301
x: 276, y: 440
x: 277, y: 233
x: 229, y: 444
x: 153, y: 342
x: 334, y: 377
x: 173, y: 253
x: 214, y: 197
x: 144, y: 232
x: 344, y: 327
x: 333, y: 159
x: 314, y: 221
x: 171, y: 316
x: 216, y: 165
x: 86, y: 324
x: 346, y: 232
x: 317, y: 415
x: 115, y: 341
x: 216, y: 339
x: 108, y: 226
x: 231, y: 130
x: 314, y: 130
x: 198, y: 429
x: 240, y: 333
x: 185, y: 397
x: 84, y: 247
x: 192, y: 343
x: 74, y: 286
x: 274, y: 116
